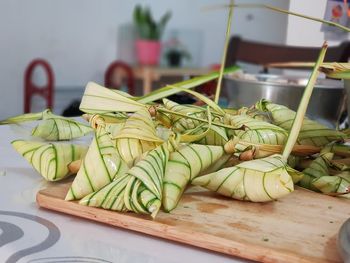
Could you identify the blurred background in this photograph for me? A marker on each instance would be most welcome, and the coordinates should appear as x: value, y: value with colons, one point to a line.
x: 80, y: 39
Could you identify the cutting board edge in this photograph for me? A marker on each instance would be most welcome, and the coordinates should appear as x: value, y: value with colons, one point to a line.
x: 199, y: 240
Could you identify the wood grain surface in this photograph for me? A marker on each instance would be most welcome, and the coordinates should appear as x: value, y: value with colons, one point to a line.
x: 301, y: 227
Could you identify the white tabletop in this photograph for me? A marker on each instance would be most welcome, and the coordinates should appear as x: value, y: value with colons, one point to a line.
x: 31, y: 234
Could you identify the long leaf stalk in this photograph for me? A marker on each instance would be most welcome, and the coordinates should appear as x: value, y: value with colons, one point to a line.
x: 153, y: 110
x: 330, y: 23
x: 25, y: 117
x: 299, y: 150
x: 223, y: 59
x: 331, y: 69
x: 299, y: 117
x: 280, y: 10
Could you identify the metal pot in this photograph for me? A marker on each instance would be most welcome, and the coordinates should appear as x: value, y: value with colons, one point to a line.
x: 324, y: 106
x: 343, y: 241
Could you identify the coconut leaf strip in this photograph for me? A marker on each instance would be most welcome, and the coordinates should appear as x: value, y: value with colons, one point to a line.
x: 98, y: 99
x: 24, y: 117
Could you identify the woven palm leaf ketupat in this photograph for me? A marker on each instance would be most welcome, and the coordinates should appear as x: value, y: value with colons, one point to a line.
x: 268, y: 178
x: 257, y: 180
x: 184, y: 165
x: 311, y: 133
x: 317, y: 177
x: 51, y: 160
x: 255, y: 131
x: 52, y: 127
x: 99, y: 167
x: 214, y: 136
x: 137, y: 136
x: 58, y: 129
x: 140, y: 189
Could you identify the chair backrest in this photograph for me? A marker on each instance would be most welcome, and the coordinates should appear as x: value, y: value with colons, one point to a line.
x: 120, y: 67
x: 263, y: 54
x: 31, y: 89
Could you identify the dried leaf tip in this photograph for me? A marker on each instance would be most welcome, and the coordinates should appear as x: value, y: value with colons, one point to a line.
x: 152, y: 111
x: 325, y: 45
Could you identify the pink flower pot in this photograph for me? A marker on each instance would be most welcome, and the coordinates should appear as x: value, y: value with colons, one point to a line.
x: 148, y: 51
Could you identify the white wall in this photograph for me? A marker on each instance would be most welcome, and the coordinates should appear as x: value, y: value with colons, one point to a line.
x: 78, y: 37
x: 302, y: 32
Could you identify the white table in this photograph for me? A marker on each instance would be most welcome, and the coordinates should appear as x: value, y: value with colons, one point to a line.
x: 72, y: 239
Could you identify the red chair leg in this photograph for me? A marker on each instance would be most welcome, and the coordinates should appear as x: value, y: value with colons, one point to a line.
x: 127, y: 69
x: 31, y: 89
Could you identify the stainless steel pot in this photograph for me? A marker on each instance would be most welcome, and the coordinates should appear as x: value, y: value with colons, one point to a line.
x: 343, y: 241
x: 324, y: 106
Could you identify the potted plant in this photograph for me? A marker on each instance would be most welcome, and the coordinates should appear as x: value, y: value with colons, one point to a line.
x: 175, y: 52
x: 148, y: 46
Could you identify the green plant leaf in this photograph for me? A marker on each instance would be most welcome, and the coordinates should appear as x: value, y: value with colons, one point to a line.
x: 137, y: 15
x: 146, y: 26
x: 162, y: 23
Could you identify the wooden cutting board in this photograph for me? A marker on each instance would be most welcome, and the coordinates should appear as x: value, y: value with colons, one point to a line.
x: 301, y: 227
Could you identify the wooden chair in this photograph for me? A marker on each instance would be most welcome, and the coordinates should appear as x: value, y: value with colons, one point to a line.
x: 118, y: 74
x: 31, y: 89
x: 263, y: 54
